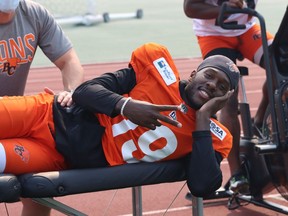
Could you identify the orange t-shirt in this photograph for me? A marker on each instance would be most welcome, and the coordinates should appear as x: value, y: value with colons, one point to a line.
x: 157, y: 81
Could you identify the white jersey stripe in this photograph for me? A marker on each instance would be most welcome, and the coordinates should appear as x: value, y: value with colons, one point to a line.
x: 2, y: 158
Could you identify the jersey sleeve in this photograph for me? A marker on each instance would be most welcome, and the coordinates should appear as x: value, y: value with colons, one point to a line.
x: 221, y: 138
x: 147, y: 57
x: 101, y: 94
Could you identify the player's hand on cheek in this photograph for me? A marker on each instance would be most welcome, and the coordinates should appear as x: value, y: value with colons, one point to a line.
x: 212, y: 106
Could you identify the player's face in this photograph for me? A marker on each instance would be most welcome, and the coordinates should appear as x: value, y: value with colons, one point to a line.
x: 205, y: 85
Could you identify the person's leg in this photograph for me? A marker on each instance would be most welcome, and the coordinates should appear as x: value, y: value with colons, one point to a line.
x: 24, y: 155
x: 27, y: 156
x: 24, y: 117
x: 259, y: 115
x: 229, y: 117
x: 32, y: 208
x: 251, y: 48
x: 26, y: 135
x: 20, y: 115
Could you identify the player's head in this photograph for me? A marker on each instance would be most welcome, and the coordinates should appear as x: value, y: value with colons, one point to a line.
x: 225, y: 65
x: 214, y: 77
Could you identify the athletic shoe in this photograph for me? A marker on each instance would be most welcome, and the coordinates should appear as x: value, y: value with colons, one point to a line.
x: 239, y: 184
x: 188, y: 196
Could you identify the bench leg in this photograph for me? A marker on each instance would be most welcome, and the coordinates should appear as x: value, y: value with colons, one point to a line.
x: 197, y: 203
x: 58, y: 206
x: 197, y: 206
x: 137, y: 201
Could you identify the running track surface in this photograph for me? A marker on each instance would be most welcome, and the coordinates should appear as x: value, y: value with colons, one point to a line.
x: 156, y: 198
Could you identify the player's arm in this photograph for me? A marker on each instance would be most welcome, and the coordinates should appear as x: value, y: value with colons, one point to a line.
x: 200, y: 10
x: 72, y: 75
x: 204, y: 175
x: 101, y: 94
x: 203, y: 166
x: 104, y: 95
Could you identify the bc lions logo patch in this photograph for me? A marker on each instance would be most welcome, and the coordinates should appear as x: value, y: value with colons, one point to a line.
x: 22, y: 152
x: 217, y: 131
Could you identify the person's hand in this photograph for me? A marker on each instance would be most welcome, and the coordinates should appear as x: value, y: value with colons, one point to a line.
x: 49, y: 91
x: 149, y: 115
x: 212, y: 106
x: 64, y: 97
x: 236, y: 3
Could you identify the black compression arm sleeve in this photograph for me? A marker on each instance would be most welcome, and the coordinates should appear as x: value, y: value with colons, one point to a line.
x: 203, y: 166
x: 101, y: 94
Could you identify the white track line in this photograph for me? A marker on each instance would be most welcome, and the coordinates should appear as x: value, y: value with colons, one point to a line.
x: 162, y: 211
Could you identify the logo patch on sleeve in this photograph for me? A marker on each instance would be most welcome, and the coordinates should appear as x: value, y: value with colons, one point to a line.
x: 217, y: 130
x: 165, y: 70
x: 173, y: 115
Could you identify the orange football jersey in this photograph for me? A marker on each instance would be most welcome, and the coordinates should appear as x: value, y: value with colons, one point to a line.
x: 157, y: 82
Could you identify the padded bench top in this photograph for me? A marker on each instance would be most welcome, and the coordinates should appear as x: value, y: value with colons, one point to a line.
x: 67, y: 182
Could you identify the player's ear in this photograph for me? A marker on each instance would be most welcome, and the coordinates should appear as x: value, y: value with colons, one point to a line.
x: 192, y: 75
